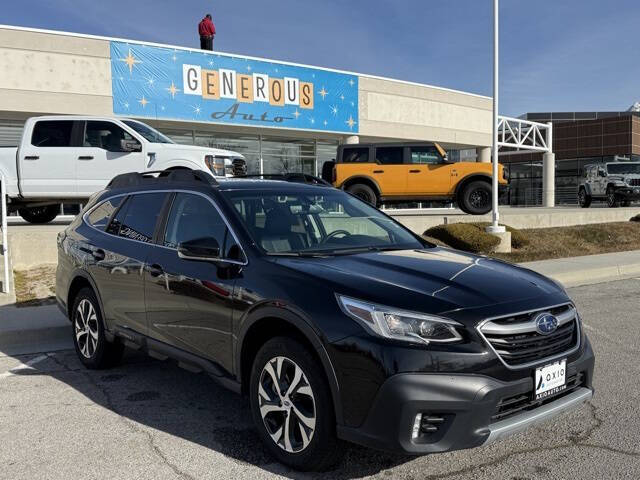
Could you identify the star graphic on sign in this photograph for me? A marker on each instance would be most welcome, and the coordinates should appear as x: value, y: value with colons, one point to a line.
x: 143, y: 101
x: 342, y: 97
x: 150, y: 80
x: 248, y: 68
x: 131, y: 61
x: 173, y: 90
x: 196, y: 109
x: 323, y: 93
x: 211, y: 63
x: 351, y: 82
x: 312, y: 120
x: 126, y: 105
x: 353, y: 104
x: 351, y: 122
x: 334, y: 109
x: 162, y: 107
x: 325, y: 123
x: 296, y: 114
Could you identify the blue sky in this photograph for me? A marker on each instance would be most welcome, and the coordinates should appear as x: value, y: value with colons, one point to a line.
x: 556, y: 55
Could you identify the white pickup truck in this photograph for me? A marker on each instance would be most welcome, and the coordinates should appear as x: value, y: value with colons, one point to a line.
x: 65, y: 159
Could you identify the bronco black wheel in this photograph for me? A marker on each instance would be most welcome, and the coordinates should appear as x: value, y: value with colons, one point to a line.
x: 476, y: 198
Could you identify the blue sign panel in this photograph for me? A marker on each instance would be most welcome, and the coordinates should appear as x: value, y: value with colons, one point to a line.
x: 166, y: 83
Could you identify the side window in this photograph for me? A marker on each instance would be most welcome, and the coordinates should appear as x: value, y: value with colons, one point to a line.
x: 52, y: 133
x: 99, y: 216
x: 355, y: 155
x: 389, y: 155
x: 425, y: 155
x: 137, y: 219
x: 193, y: 217
x: 106, y: 135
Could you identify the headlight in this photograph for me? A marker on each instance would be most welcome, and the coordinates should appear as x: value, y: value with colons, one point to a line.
x: 400, y: 324
x: 215, y: 164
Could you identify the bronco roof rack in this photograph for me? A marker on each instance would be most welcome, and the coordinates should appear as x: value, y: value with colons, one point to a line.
x: 183, y: 175
x: 291, y: 177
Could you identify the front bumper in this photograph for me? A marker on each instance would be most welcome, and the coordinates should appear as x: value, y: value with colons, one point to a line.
x: 628, y: 193
x: 463, y: 406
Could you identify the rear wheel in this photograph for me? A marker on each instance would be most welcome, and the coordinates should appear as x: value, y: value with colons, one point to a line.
x: 91, y: 345
x: 476, y: 198
x: 43, y: 214
x: 292, y: 406
x: 612, y: 198
x: 364, y: 192
x: 584, y: 200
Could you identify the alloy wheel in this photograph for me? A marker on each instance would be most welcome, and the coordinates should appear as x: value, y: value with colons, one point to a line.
x: 287, y: 404
x: 478, y: 198
x: 86, y: 328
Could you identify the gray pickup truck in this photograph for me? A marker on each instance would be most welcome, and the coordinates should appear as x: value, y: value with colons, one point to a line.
x: 618, y: 183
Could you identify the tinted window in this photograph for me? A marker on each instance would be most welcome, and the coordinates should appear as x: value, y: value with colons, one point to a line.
x: 355, y: 155
x: 54, y: 133
x: 105, y: 135
x: 194, y: 217
x: 427, y: 155
x: 389, y: 155
x: 137, y: 219
x: 99, y: 216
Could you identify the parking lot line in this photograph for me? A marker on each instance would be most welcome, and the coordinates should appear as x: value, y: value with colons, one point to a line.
x: 25, y: 366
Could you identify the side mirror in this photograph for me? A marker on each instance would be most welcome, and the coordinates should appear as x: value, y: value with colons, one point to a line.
x: 206, y: 248
x: 130, y: 146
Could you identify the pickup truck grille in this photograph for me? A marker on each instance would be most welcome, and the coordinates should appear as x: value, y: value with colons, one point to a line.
x: 634, y: 182
x: 517, y: 342
x: 509, y: 406
x: 239, y: 167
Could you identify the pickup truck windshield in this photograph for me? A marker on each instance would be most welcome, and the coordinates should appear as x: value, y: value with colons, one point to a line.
x: 150, y: 134
x: 623, y: 168
x: 330, y: 223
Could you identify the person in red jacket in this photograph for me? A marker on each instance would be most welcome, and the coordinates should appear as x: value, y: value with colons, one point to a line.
x: 207, y: 30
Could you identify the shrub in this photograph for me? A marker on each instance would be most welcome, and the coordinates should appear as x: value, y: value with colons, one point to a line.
x: 464, y: 236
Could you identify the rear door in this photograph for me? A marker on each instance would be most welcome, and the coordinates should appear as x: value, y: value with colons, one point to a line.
x: 117, y: 257
x: 102, y: 155
x: 47, y: 162
x: 428, y: 173
x: 190, y: 302
x: 390, y: 171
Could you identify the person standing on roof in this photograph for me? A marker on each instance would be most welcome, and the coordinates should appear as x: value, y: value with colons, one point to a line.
x: 207, y: 31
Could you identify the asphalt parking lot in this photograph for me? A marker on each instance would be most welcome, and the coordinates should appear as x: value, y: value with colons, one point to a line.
x: 152, y: 420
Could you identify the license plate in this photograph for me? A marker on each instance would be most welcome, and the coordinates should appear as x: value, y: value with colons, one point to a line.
x: 550, y: 379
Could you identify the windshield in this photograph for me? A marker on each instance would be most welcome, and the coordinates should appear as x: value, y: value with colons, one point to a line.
x: 150, y: 134
x: 623, y: 168
x: 292, y: 223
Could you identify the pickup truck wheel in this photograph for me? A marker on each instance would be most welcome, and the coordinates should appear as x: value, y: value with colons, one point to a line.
x: 612, y: 198
x: 584, y: 200
x: 476, y: 198
x: 42, y: 214
x: 364, y: 192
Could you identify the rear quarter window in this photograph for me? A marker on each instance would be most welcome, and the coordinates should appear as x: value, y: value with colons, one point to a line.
x: 137, y: 219
x: 100, y: 216
x: 355, y: 155
x: 52, y: 133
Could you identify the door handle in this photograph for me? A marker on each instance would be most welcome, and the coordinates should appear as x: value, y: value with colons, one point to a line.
x: 378, y: 171
x: 155, y: 270
x: 85, y: 157
x: 415, y: 171
x: 31, y: 157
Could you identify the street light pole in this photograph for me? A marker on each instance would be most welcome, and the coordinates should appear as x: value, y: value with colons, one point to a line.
x: 495, y: 228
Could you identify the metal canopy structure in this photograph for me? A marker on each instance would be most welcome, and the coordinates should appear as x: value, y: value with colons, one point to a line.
x: 524, y: 135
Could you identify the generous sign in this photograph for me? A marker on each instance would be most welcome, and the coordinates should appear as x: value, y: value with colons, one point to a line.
x: 165, y: 83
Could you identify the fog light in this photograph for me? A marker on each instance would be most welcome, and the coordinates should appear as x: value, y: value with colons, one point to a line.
x: 416, y: 426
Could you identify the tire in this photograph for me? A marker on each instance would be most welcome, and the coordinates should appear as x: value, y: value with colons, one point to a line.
x: 612, y: 198
x: 40, y: 215
x: 584, y: 200
x: 475, y: 198
x: 87, y: 326
x: 364, y: 192
x: 317, y: 448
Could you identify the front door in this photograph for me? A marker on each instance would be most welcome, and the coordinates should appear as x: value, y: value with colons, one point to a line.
x: 117, y: 264
x: 428, y: 173
x: 102, y: 155
x: 47, y: 160
x: 190, y: 302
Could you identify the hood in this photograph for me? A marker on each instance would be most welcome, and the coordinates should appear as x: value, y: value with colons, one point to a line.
x: 175, y: 147
x: 431, y: 280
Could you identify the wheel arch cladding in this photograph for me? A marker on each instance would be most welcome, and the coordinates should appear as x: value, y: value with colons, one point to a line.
x: 82, y: 280
x: 274, y: 322
x: 370, y: 182
x: 471, y: 178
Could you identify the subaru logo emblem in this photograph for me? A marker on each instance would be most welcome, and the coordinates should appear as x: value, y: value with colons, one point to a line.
x: 545, y: 323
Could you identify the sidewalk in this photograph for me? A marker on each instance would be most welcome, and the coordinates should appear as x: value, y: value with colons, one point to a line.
x: 590, y: 269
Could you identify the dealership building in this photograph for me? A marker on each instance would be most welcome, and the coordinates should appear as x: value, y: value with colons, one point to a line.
x: 281, y: 116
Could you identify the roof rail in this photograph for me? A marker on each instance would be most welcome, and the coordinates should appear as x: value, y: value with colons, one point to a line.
x: 182, y: 175
x: 291, y: 177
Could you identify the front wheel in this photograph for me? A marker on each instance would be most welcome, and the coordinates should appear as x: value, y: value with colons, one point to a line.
x: 476, y: 198
x: 612, y: 198
x: 292, y: 406
x: 43, y: 214
x: 584, y: 200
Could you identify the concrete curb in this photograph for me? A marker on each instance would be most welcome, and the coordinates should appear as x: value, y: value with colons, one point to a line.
x: 33, y: 329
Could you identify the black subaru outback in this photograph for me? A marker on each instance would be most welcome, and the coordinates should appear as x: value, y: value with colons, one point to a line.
x: 334, y: 319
